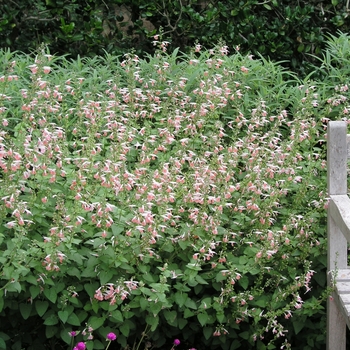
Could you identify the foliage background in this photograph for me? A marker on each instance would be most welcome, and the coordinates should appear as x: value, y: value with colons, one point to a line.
x: 279, y: 29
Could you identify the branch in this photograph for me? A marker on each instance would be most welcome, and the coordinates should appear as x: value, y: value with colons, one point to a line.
x: 166, y: 15
x: 40, y: 19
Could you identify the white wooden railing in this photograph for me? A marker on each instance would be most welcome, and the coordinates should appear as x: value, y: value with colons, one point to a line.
x: 338, y: 232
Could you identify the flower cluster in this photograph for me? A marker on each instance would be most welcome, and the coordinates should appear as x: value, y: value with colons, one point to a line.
x: 168, y: 174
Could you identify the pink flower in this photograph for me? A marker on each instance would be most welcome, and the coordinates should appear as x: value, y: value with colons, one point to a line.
x: 111, y: 336
x: 80, y: 346
x: 177, y: 342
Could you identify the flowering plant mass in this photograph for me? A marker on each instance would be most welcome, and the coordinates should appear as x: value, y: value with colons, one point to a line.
x: 179, y: 196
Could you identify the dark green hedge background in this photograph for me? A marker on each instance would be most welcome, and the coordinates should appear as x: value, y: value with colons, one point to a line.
x: 279, y: 29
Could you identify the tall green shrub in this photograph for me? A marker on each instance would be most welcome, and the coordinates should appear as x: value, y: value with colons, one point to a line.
x: 177, y: 196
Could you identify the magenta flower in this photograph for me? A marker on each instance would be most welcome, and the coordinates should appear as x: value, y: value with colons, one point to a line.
x: 80, y: 346
x: 177, y: 342
x: 111, y: 336
x: 72, y: 333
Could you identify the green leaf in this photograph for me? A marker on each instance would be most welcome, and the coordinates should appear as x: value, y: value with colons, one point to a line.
x: 117, y: 315
x: 106, y: 276
x: 244, y: 282
x: 143, y: 303
x: 298, y: 324
x: 63, y: 315
x: 188, y: 313
x: 96, y: 322
x: 50, y: 331
x: 25, y: 310
x: 180, y: 298
x: 244, y: 335
x: 201, y: 280
x: 125, y: 329
x: 14, y: 287
x: 208, y: 332
x: 1, y: 299
x: 34, y: 291
x: 41, y: 307
x: 152, y: 321
x: 31, y: 279
x: 51, y: 320
x: 73, y: 319
x: 98, y: 345
x: 202, y: 318
x: 220, y: 317
x: 51, y: 294
x: 191, y: 304
x: 182, y: 323
x: 171, y: 316
x: 91, y: 288
x: 2, y: 344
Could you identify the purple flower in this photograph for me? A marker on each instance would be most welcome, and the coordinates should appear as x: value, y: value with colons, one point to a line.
x: 111, y: 336
x: 72, y: 333
x: 80, y: 346
x: 177, y: 342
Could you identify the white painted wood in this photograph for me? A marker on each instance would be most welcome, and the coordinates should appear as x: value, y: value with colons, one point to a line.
x: 339, y: 215
x: 336, y: 326
x: 343, y: 275
x: 337, y: 158
x: 338, y: 233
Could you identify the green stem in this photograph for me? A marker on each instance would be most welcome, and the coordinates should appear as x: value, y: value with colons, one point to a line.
x: 143, y: 335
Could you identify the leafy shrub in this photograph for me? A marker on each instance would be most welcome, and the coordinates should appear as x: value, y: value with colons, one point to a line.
x: 174, y: 196
x: 280, y: 29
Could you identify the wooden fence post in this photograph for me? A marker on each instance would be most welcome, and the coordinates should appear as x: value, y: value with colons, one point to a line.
x: 337, y: 244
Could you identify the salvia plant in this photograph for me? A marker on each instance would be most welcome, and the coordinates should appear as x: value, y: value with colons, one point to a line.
x: 174, y: 197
